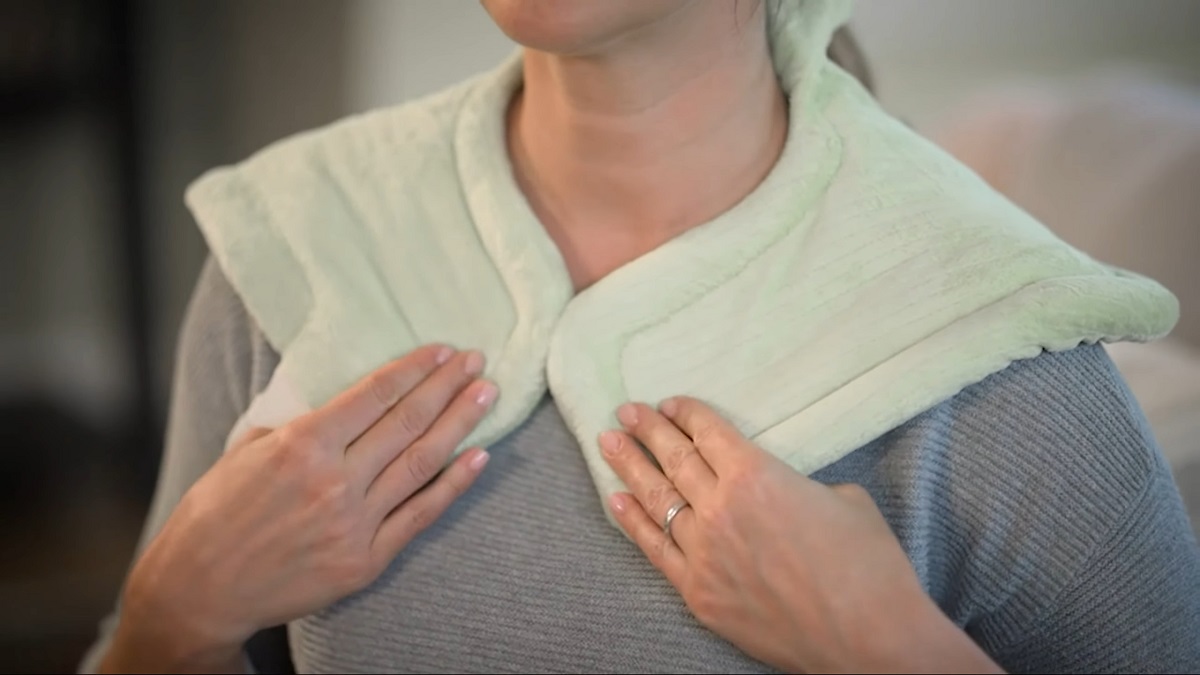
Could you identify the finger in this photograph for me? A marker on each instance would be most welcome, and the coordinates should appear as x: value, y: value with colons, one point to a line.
x: 674, y: 451
x: 649, y: 537
x: 417, y: 465
x: 353, y: 411
x: 653, y: 491
x: 408, y: 520
x: 721, y: 445
x: 410, y: 418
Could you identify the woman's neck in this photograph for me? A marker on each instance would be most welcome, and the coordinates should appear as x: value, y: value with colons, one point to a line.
x: 629, y: 147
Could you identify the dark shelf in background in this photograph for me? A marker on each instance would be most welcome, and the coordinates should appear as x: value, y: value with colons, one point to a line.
x: 72, y: 495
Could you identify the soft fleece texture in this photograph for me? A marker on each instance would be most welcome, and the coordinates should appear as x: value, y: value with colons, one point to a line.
x: 868, y: 278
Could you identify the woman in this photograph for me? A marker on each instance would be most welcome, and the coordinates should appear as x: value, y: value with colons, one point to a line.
x: 658, y: 149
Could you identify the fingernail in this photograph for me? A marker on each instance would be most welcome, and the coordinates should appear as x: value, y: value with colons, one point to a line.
x: 669, y: 407
x: 627, y: 414
x: 487, y: 394
x: 444, y: 355
x: 617, y: 502
x: 610, y: 442
x: 474, y: 364
x: 479, y: 460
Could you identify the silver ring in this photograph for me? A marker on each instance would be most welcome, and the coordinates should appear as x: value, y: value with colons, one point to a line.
x: 671, y: 513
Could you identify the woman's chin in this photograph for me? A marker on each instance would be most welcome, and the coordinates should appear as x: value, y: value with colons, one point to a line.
x: 574, y: 27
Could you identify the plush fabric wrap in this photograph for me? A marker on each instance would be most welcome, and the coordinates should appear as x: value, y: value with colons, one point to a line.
x: 868, y: 278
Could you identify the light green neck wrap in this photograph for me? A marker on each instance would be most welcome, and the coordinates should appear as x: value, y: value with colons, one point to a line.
x: 868, y: 278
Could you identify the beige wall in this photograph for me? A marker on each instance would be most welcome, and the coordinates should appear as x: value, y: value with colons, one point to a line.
x: 931, y: 53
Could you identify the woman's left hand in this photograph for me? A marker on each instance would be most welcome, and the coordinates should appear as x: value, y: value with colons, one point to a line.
x: 800, y: 575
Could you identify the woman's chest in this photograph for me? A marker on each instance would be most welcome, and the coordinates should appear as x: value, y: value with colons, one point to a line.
x: 524, y: 574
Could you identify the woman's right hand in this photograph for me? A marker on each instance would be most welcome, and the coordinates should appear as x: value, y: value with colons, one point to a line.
x: 291, y: 520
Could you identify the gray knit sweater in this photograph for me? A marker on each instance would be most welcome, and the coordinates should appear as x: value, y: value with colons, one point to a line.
x: 1034, y: 505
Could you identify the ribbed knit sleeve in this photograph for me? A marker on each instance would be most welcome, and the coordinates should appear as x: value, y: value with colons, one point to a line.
x: 1043, y: 519
x: 1132, y: 606
x: 222, y: 360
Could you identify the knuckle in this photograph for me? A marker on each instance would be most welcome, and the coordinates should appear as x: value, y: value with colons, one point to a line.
x: 338, y: 533
x: 420, y: 466
x: 677, y: 457
x: 383, y: 389
x: 279, y: 457
x: 746, y: 479
x: 659, y: 497
x: 348, y: 564
x: 298, y: 441
x: 703, y: 603
x: 710, y: 516
x: 707, y: 434
x: 351, y: 571
x: 457, y: 483
x: 329, y: 494
x: 742, y: 489
x: 285, y: 461
x: 422, y: 516
x: 657, y: 552
x: 410, y: 420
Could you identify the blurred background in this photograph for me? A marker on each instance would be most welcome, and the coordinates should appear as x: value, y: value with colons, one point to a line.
x: 109, y: 108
